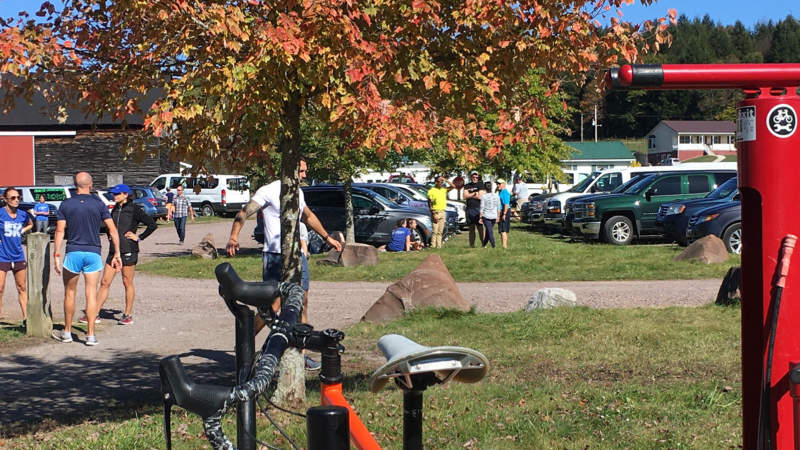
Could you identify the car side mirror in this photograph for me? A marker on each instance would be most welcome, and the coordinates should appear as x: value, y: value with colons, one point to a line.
x: 593, y: 189
x: 373, y: 210
x: 649, y: 194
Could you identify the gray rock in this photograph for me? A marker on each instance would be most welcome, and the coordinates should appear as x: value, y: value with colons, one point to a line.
x: 429, y: 285
x: 205, y: 248
x: 708, y: 249
x: 547, y: 298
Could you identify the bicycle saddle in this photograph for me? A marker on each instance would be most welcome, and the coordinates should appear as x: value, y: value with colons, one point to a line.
x: 406, y: 358
x: 260, y: 294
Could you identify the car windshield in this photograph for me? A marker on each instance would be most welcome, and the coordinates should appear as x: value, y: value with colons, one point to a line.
x: 640, y: 185
x: 627, y: 185
x: 414, y: 193
x: 724, y: 190
x: 380, y: 199
x: 580, y: 187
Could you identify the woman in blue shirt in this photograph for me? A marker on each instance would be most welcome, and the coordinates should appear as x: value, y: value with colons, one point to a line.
x: 42, y: 212
x: 401, y: 238
x: 14, y: 222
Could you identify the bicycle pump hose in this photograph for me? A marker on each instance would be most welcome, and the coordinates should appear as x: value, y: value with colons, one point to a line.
x: 779, y: 281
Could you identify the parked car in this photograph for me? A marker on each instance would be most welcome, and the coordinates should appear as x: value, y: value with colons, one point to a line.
x: 404, y: 196
x: 673, y: 218
x: 52, y: 194
x: 374, y: 216
x: 553, y: 212
x: 153, y: 202
x: 218, y: 194
x: 723, y: 220
x: 619, y: 218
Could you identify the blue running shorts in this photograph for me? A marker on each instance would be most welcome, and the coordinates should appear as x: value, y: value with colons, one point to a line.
x: 86, y: 262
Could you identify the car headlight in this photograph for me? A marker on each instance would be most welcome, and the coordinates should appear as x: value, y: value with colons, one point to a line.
x: 590, y: 207
x: 554, y: 207
x: 676, y: 209
x: 708, y: 217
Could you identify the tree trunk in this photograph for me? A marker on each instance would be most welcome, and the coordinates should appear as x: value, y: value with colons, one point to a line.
x: 291, y: 387
x: 349, y: 228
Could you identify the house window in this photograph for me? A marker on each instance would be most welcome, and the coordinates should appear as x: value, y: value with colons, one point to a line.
x: 697, y: 139
x: 63, y: 180
x: 718, y: 139
x: 686, y: 139
x: 651, y: 141
x: 113, y: 178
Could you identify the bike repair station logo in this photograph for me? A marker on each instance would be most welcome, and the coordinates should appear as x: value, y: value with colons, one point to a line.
x: 782, y: 121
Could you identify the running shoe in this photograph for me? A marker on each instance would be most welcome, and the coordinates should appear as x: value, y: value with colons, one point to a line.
x: 125, y: 320
x: 312, y: 365
x: 63, y: 336
x: 91, y: 341
x: 85, y: 319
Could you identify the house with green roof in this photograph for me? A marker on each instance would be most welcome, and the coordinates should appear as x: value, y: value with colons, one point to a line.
x: 589, y: 157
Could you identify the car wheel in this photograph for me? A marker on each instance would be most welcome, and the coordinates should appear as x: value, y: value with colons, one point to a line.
x: 618, y: 230
x: 733, y: 238
x: 206, y: 210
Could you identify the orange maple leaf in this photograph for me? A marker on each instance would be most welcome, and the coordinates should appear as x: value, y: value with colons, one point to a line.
x: 445, y: 86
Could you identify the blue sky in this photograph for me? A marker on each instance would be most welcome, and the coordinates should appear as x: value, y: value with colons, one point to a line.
x: 726, y: 12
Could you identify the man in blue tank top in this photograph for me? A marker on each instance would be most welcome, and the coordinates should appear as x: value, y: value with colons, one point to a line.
x: 80, y: 217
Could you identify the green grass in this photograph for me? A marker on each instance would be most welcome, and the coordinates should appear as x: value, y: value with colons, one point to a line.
x: 530, y: 257
x: 562, y: 378
x: 11, y: 332
x: 711, y: 158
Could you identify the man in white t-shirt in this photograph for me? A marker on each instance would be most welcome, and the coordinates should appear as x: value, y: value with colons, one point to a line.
x: 267, y: 199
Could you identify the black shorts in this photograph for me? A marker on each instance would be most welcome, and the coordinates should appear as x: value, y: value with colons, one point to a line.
x: 473, y: 216
x: 13, y: 266
x: 128, y: 259
x: 504, y: 225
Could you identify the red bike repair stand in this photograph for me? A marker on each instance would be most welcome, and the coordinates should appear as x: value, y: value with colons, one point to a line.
x: 768, y: 145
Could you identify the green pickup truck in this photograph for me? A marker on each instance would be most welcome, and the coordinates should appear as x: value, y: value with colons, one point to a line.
x: 619, y: 218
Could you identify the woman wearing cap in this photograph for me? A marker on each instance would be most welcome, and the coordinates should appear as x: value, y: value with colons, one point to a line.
x: 127, y: 217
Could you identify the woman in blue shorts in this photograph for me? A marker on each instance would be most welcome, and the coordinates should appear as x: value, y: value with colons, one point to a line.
x: 14, y: 222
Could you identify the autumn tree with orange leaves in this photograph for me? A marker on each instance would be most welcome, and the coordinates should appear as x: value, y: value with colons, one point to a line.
x: 234, y: 76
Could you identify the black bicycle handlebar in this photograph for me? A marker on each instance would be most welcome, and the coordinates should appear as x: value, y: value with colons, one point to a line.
x: 260, y: 294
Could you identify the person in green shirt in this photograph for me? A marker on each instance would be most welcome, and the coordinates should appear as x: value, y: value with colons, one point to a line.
x: 437, y: 200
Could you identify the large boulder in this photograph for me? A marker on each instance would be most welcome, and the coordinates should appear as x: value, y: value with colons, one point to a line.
x: 546, y: 298
x: 205, y: 248
x: 730, y: 289
x: 352, y: 255
x: 428, y: 285
x: 708, y: 249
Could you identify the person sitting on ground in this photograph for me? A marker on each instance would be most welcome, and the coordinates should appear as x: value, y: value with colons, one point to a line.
x: 416, y: 244
x: 401, y: 239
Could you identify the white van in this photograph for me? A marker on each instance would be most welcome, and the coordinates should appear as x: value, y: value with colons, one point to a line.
x: 553, y: 211
x: 209, y: 194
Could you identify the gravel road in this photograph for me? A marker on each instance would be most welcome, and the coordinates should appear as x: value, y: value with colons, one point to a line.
x: 45, y: 379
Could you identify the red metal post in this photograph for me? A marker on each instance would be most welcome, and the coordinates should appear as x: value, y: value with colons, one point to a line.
x: 768, y: 145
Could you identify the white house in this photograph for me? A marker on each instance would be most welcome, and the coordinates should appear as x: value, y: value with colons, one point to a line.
x: 686, y: 139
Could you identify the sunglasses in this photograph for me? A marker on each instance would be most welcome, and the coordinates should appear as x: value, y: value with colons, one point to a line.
x: 16, y: 197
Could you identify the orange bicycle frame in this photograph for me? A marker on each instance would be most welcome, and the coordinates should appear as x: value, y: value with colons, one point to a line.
x: 359, y: 434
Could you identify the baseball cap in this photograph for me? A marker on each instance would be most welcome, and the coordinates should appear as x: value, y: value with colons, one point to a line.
x: 474, y: 172
x: 120, y: 189
x: 500, y: 181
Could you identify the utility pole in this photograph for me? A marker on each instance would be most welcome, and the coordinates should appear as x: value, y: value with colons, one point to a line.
x: 594, y: 122
x: 581, y: 126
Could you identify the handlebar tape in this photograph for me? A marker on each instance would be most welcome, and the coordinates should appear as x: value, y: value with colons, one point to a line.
x: 787, y: 248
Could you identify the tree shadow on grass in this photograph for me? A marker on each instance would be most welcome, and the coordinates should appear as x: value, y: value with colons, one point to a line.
x: 37, y: 393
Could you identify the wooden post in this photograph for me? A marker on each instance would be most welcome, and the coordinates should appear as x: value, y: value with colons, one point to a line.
x: 40, y: 314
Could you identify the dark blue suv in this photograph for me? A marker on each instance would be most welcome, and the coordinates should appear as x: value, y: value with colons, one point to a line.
x: 724, y: 221
x: 673, y: 218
